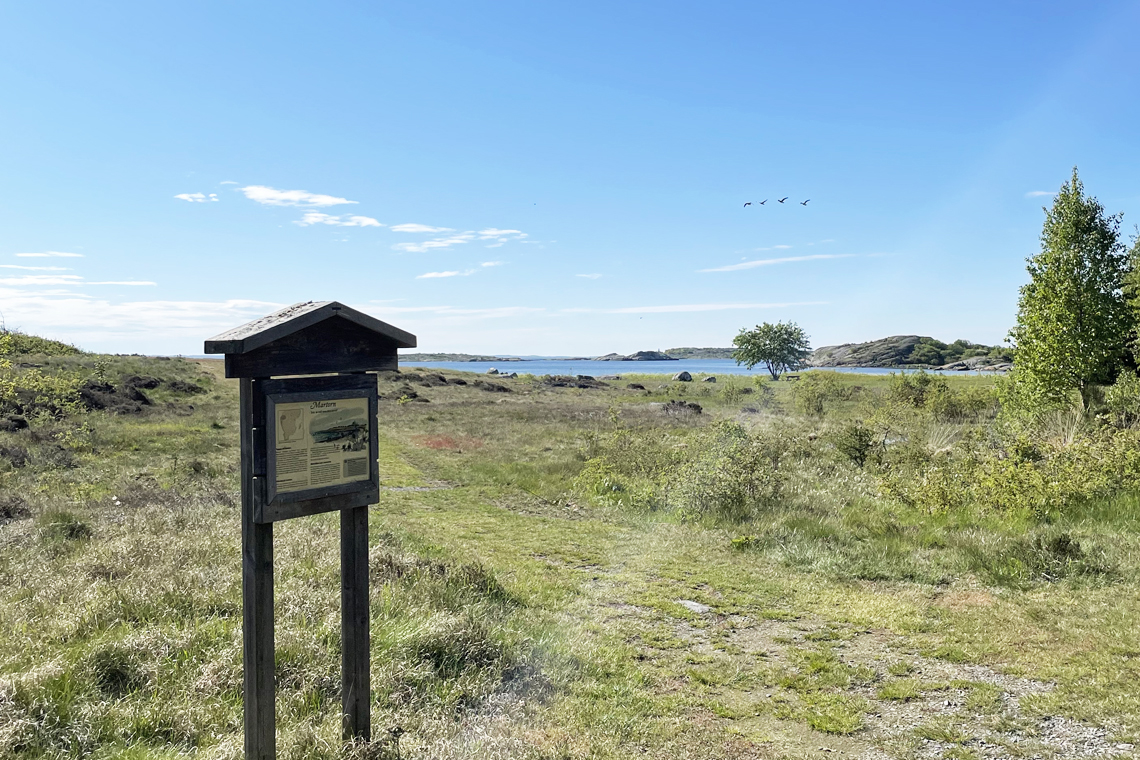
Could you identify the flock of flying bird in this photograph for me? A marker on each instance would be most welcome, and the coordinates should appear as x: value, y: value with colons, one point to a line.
x: 778, y: 200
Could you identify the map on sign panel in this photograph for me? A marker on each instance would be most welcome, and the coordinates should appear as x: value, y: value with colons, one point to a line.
x: 321, y: 443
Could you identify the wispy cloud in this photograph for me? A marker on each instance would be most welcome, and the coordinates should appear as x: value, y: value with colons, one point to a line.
x: 589, y: 276
x: 691, y: 307
x: 499, y: 237
x: 492, y: 263
x: 39, y: 280
x: 136, y: 325
x: 492, y: 312
x: 316, y: 217
x: 51, y: 255
x: 433, y: 275
x: 411, y: 227
x: 270, y: 196
x: 37, y: 269
x: 228, y: 182
x: 773, y: 248
x: 197, y: 197
x: 1038, y: 193
x: 769, y: 262
x: 436, y: 243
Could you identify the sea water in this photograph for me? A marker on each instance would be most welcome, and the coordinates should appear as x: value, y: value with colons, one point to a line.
x: 595, y: 368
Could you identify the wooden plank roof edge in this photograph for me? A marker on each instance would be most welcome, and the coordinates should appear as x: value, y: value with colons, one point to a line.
x: 264, y: 330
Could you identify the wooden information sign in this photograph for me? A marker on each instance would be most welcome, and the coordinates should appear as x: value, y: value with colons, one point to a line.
x: 308, y: 445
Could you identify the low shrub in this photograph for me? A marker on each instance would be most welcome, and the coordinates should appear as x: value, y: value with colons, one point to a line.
x: 1122, y: 400
x: 16, y: 343
x: 1020, y: 476
x: 732, y: 475
x: 818, y: 392
x: 855, y: 442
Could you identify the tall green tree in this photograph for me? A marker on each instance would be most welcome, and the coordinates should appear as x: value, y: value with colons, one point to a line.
x: 1074, y: 323
x: 779, y: 347
x: 1132, y: 288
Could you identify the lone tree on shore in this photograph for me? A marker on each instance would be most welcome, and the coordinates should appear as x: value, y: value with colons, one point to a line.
x: 780, y: 347
x: 1074, y: 324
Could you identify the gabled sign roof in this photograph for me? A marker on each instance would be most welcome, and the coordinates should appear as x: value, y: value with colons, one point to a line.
x: 281, y: 324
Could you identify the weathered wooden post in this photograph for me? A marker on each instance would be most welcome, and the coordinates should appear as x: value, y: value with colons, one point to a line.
x: 308, y: 445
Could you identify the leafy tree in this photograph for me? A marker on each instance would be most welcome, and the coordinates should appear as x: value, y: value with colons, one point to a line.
x: 1132, y: 284
x: 1073, y: 322
x: 780, y: 347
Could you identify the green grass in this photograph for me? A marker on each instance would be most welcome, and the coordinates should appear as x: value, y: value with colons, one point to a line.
x: 521, y: 610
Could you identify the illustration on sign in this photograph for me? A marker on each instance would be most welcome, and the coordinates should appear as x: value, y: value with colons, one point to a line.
x: 321, y: 443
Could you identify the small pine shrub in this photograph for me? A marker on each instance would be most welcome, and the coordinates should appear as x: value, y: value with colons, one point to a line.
x: 855, y: 442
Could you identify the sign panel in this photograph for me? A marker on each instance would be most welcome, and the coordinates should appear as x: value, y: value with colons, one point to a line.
x: 321, y: 443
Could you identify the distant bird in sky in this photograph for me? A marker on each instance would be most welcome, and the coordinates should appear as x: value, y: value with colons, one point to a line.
x: 746, y: 205
x: 781, y: 200
x: 763, y: 201
x: 805, y: 202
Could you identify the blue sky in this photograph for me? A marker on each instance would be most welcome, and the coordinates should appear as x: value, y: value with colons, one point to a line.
x: 535, y: 178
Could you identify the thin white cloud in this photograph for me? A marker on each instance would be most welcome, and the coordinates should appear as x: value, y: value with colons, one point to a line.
x: 228, y: 182
x: 411, y: 227
x: 197, y: 197
x: 345, y: 220
x: 436, y: 243
x: 493, y: 312
x: 51, y: 255
x: 270, y: 196
x: 122, y: 282
x: 1038, y: 193
x: 691, y: 307
x: 773, y: 248
x: 38, y: 269
x: 42, y: 279
x: 500, y: 237
x: 492, y: 263
x: 81, y: 319
x: 769, y: 262
x: 492, y: 232
x: 434, y: 275
x: 589, y: 276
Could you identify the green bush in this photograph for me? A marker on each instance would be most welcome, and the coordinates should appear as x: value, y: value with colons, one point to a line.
x: 1019, y: 477
x: 15, y: 343
x: 1122, y: 399
x: 733, y: 475
x: 855, y: 442
x: 818, y: 392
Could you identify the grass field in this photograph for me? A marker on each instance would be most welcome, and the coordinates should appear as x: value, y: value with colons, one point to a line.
x: 548, y: 582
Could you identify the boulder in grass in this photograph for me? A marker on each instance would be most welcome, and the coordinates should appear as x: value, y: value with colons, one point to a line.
x: 679, y: 408
x: 492, y: 371
x: 10, y: 423
x: 683, y: 377
x: 145, y: 382
x: 709, y: 379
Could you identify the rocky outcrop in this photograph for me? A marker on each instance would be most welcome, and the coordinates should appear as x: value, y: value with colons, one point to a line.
x: 637, y: 356
x: 683, y: 377
x: 915, y: 351
x: 978, y: 363
x: 692, y: 352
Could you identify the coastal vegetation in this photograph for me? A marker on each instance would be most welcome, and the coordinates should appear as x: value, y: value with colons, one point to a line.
x: 861, y: 564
